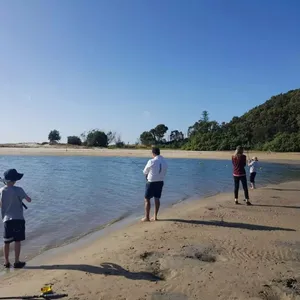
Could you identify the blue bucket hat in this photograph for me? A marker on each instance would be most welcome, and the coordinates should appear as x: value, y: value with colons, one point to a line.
x: 12, y: 175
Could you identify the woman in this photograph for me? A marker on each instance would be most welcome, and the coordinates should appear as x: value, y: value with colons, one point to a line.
x: 239, y: 161
x: 253, y: 167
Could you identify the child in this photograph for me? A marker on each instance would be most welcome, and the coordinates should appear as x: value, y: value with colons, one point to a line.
x: 253, y: 167
x: 11, y: 198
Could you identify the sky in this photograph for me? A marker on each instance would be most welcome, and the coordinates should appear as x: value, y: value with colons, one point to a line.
x: 127, y: 66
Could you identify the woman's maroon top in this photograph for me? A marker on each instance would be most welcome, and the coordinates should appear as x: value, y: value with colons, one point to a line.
x: 239, y: 162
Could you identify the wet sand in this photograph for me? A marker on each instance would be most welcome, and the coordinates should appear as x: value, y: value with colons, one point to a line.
x: 68, y: 151
x: 206, y: 249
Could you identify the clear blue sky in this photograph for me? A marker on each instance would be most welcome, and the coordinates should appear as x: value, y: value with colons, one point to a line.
x: 130, y: 65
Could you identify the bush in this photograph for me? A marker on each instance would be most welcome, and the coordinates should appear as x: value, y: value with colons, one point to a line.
x: 74, y: 140
x: 120, y: 144
x: 284, y: 142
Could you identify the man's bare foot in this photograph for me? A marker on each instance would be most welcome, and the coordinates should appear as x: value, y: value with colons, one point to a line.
x: 145, y: 219
x: 154, y: 218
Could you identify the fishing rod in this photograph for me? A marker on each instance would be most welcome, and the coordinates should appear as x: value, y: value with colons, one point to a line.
x: 3, y: 181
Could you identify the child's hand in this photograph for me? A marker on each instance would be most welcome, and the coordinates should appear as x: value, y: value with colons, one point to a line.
x: 28, y: 199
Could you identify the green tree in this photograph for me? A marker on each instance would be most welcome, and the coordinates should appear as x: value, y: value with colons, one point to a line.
x: 159, y: 131
x: 147, y: 138
x: 274, y: 126
x: 96, y: 138
x: 111, y: 136
x: 74, y: 140
x: 118, y: 142
x: 54, y: 136
x: 176, y: 136
x: 205, y: 116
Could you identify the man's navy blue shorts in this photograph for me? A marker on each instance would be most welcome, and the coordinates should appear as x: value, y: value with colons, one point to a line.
x: 14, y: 231
x: 154, y: 189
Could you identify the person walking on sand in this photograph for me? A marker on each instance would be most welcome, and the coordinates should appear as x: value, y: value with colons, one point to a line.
x: 239, y: 161
x: 155, y: 171
x: 252, y: 163
x: 11, y: 198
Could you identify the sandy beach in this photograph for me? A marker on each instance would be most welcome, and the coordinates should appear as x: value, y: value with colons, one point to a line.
x: 206, y: 249
x: 70, y: 151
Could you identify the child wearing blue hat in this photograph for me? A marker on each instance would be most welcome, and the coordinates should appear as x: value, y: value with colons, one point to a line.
x: 11, y: 197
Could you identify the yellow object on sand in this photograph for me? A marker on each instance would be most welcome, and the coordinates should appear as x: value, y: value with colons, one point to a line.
x: 47, y: 289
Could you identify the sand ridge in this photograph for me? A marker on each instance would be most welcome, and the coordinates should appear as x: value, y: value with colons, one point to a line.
x: 208, y: 249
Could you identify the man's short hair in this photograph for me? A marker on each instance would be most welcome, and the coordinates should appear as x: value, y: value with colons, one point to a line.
x: 155, y: 151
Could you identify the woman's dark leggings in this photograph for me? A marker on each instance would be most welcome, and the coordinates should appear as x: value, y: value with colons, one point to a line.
x: 237, y: 180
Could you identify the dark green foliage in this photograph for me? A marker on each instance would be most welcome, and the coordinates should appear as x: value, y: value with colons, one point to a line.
x: 154, y: 136
x: 284, y: 142
x: 74, y: 140
x: 147, y: 138
x: 272, y: 126
x: 96, y: 138
x: 159, y: 132
x: 176, y: 136
x: 54, y: 136
x: 111, y: 136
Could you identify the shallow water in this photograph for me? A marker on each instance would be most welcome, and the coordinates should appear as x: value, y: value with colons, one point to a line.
x: 74, y: 195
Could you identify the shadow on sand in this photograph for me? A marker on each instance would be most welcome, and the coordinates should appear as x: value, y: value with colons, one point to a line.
x: 230, y: 225
x: 282, y: 190
x: 103, y: 269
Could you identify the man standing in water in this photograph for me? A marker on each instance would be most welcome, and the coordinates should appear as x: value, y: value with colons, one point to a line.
x: 155, y: 171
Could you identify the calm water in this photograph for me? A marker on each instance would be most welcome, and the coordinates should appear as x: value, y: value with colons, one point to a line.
x: 74, y: 195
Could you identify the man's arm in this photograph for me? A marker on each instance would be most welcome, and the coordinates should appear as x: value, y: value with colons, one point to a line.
x: 147, y: 168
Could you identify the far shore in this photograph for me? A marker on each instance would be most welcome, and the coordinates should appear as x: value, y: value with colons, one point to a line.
x: 72, y: 151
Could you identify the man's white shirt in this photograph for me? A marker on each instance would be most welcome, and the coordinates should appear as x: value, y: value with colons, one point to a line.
x: 156, y: 169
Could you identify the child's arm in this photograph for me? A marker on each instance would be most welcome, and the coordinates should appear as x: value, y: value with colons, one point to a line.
x: 28, y: 199
x: 23, y: 195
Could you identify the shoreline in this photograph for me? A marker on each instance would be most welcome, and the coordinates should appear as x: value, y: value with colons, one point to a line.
x: 65, y: 151
x: 125, y: 219
x: 169, y: 248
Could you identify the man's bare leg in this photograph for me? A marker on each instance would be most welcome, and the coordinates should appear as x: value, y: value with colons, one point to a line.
x: 157, y: 206
x: 6, y: 253
x: 17, y: 251
x: 147, y: 211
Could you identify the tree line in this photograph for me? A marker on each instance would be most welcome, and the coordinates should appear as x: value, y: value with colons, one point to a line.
x: 272, y: 126
x: 92, y: 138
